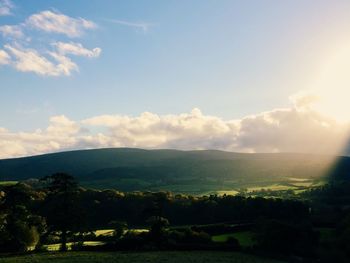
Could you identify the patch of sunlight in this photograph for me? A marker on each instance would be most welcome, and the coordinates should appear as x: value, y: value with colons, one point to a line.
x: 303, y: 184
x: 8, y: 182
x: 93, y: 243
x: 104, y: 232
x: 227, y: 192
x: 56, y: 247
x: 138, y: 230
x: 273, y: 187
x: 298, y: 179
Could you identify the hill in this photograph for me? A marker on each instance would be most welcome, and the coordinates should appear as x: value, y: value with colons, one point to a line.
x: 129, y: 169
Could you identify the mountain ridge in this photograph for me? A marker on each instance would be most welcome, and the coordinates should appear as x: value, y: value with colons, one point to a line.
x: 167, y: 169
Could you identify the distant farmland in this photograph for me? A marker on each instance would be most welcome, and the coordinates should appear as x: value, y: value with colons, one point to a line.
x: 189, y: 172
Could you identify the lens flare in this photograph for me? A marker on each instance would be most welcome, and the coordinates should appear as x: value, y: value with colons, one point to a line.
x: 332, y: 86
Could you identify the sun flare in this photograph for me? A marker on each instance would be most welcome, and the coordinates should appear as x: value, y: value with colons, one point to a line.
x: 332, y: 86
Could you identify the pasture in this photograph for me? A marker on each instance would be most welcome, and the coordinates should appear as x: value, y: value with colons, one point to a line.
x: 6, y: 183
x: 245, y: 238
x: 137, y: 257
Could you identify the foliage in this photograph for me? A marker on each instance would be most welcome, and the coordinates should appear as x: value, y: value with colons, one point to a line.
x: 58, y: 210
x: 19, y: 228
x: 286, y: 238
x: 61, y: 206
x: 244, y: 239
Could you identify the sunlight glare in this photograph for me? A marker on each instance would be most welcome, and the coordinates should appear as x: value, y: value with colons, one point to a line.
x: 332, y: 86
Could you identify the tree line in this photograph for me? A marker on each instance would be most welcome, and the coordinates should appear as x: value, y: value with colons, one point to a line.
x: 57, y: 209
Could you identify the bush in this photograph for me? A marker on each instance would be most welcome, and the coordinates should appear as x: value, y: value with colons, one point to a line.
x: 283, y: 238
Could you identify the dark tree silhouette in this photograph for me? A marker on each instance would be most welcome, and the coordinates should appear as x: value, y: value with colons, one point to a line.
x: 19, y: 228
x: 62, y: 207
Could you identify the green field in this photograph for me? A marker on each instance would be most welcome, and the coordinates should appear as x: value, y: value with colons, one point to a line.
x: 56, y: 247
x: 245, y: 238
x: 100, y: 232
x: 326, y: 234
x: 4, y: 183
x: 137, y: 257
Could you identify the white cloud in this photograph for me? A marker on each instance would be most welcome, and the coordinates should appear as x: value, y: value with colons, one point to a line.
x: 29, y: 60
x: 144, y: 27
x: 14, y: 31
x: 65, y: 65
x: 4, y: 57
x: 60, y: 134
x: 186, y: 131
x: 55, y: 59
x: 5, y: 7
x: 62, y: 125
x: 291, y: 130
x: 304, y: 99
x: 54, y: 22
x: 279, y: 130
x: 76, y: 49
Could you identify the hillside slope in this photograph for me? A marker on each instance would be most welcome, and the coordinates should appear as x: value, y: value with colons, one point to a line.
x: 180, y: 171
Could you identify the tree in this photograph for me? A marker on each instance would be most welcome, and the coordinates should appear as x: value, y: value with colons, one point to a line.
x: 285, y: 238
x: 19, y: 229
x: 157, y: 222
x: 61, y: 207
x: 119, y: 228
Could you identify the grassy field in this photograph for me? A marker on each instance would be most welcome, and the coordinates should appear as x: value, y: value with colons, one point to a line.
x: 245, y: 238
x: 6, y: 183
x: 154, y: 257
x: 100, y: 232
x: 56, y: 247
x: 326, y: 234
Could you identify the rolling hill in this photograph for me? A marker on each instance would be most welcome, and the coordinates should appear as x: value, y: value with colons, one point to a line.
x: 130, y: 169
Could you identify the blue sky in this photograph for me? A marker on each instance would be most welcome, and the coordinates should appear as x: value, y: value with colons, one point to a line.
x: 230, y: 59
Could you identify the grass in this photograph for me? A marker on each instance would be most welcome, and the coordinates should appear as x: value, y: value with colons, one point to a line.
x: 56, y: 247
x: 326, y: 234
x: 302, y: 184
x: 104, y: 232
x: 99, y: 232
x: 137, y: 257
x: 272, y: 187
x: 227, y: 192
x: 292, y: 179
x: 109, y: 232
x: 5, y: 183
x: 245, y: 238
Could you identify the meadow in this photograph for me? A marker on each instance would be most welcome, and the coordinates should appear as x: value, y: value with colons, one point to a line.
x: 137, y: 257
x: 245, y: 238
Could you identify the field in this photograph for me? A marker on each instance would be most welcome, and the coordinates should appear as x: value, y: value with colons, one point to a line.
x: 5, y: 183
x: 326, y: 234
x: 56, y: 247
x: 245, y: 238
x: 100, y: 232
x: 137, y: 257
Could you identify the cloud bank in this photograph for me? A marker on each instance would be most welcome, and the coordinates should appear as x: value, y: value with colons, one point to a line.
x: 291, y: 129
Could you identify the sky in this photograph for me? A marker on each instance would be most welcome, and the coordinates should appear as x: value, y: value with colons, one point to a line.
x: 247, y: 76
